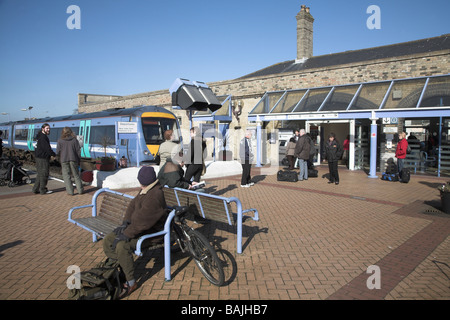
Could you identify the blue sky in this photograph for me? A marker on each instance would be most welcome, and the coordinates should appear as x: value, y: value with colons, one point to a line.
x: 133, y: 46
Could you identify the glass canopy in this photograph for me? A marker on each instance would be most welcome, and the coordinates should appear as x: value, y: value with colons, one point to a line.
x: 402, y: 94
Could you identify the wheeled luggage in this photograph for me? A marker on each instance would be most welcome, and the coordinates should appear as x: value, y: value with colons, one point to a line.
x: 286, y: 175
x: 406, y: 175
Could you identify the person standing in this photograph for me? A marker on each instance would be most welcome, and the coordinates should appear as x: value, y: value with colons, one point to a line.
x: 400, y: 152
x: 246, y: 155
x: 168, y: 149
x: 290, y: 150
x: 302, y: 149
x: 69, y: 151
x: 43, y: 154
x: 333, y: 152
x: 195, y: 163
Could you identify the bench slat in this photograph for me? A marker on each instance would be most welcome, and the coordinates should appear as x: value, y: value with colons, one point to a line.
x: 214, y: 209
x: 99, y: 225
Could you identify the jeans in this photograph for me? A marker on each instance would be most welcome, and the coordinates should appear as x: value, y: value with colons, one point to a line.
x: 303, y: 164
x: 71, y: 168
x: 400, y: 167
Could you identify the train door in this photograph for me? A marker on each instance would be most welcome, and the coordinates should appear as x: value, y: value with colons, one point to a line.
x: 85, y: 133
x: 30, y: 137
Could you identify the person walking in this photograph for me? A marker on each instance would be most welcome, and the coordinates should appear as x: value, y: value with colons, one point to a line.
x: 333, y: 152
x: 290, y: 150
x: 246, y: 155
x: 43, y: 153
x: 400, y: 153
x: 195, y: 163
x: 69, y: 152
x: 302, y: 149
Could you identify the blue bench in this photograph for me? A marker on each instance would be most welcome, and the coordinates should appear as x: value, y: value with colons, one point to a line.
x: 108, y: 209
x: 212, y: 207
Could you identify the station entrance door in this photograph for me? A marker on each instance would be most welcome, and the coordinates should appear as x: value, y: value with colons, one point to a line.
x: 357, y: 132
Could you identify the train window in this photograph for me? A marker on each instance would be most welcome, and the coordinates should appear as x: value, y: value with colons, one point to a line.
x: 154, y: 129
x: 5, y: 134
x: 21, y: 134
x: 55, y: 134
x: 100, y: 133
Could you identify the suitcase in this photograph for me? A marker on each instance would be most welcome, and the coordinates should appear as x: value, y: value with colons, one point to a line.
x: 313, y: 173
x: 389, y: 176
x: 286, y: 175
x: 406, y: 175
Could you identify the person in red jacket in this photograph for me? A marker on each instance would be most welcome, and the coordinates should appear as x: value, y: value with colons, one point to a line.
x: 401, y: 151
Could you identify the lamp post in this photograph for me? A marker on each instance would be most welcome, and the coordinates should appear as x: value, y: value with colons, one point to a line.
x: 29, y: 111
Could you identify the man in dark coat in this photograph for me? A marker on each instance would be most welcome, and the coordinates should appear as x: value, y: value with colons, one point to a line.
x: 145, y: 214
x: 302, y: 149
x: 246, y: 155
x: 43, y: 154
x: 333, y: 152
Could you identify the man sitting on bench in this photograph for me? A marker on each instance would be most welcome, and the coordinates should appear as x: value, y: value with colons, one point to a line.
x: 145, y: 214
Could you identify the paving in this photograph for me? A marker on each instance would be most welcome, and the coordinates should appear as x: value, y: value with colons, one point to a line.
x: 364, y: 239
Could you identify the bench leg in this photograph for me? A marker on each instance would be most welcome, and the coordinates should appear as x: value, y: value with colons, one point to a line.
x: 167, y: 244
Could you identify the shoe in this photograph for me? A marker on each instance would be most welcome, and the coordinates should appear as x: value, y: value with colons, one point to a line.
x: 245, y: 186
x: 330, y: 182
x: 251, y: 184
x: 126, y: 291
x: 47, y: 192
x: 337, y: 182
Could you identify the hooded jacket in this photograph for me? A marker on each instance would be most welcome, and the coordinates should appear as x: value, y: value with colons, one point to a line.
x: 68, y: 149
x: 43, y: 148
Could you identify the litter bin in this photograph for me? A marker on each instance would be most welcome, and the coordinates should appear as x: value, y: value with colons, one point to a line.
x: 445, y: 202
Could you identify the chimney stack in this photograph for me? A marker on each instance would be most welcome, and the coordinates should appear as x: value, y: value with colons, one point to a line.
x: 304, y: 34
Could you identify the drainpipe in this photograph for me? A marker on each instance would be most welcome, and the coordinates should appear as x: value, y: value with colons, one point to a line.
x: 373, y: 147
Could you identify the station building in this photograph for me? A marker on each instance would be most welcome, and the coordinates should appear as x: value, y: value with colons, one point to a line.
x: 369, y: 95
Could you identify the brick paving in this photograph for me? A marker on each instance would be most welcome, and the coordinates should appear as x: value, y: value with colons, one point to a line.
x: 315, y: 241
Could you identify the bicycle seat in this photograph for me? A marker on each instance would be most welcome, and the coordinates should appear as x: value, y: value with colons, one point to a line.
x: 180, y: 210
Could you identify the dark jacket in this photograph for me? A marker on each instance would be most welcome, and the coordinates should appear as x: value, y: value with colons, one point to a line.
x: 172, y: 175
x: 302, y: 147
x: 68, y: 150
x: 146, y: 212
x: 333, y: 151
x: 196, y: 151
x: 43, y: 148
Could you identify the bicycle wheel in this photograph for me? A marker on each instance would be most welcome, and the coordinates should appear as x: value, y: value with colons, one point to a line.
x: 206, y: 258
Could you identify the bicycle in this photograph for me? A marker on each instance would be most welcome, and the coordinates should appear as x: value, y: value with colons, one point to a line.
x: 187, y: 239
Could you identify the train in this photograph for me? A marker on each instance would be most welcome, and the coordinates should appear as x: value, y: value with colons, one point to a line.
x: 133, y: 134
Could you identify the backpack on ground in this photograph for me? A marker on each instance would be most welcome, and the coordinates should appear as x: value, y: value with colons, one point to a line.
x: 103, y: 282
x: 286, y: 175
x: 389, y: 176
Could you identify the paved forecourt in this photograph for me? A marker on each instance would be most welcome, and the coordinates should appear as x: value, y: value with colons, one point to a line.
x: 314, y: 241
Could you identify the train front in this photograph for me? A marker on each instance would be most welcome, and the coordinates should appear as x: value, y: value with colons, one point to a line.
x: 154, y: 124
